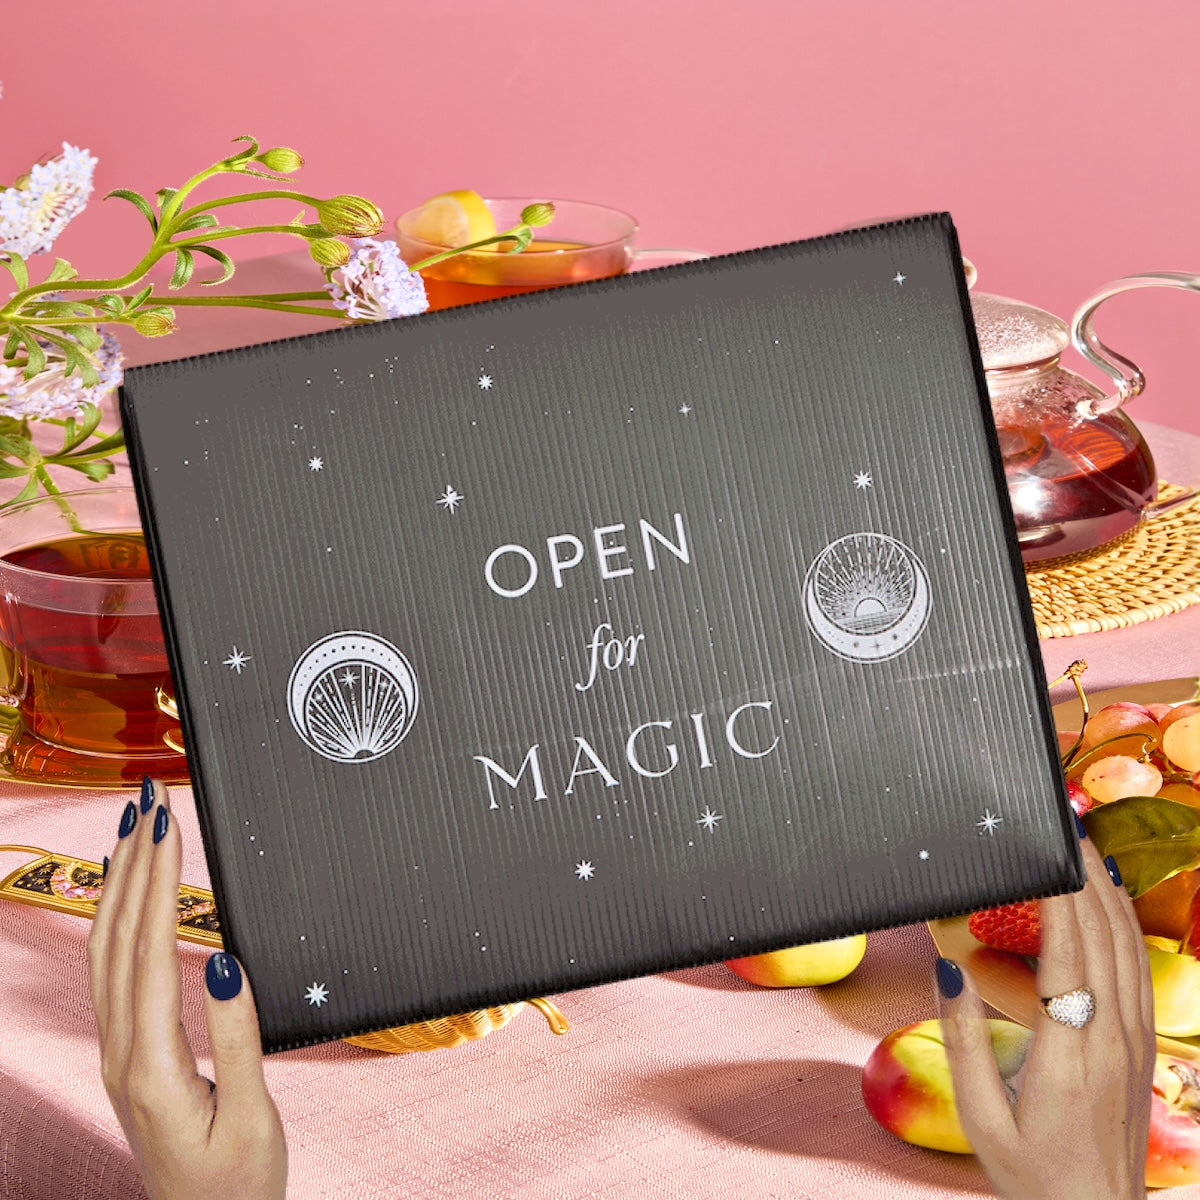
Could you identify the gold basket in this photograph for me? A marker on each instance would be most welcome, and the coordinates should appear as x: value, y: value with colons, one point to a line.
x: 74, y: 885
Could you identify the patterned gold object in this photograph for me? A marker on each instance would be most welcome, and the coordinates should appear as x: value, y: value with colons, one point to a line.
x: 73, y: 885
x: 1152, y: 571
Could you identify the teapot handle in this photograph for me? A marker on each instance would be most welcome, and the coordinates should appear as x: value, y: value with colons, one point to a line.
x: 1128, y: 376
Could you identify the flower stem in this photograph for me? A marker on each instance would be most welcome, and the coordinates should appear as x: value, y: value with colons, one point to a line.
x: 252, y: 302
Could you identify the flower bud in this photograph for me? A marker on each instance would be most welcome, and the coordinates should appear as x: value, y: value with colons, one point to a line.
x: 350, y: 216
x: 155, y: 322
x: 283, y: 159
x: 541, y: 213
x: 329, y: 252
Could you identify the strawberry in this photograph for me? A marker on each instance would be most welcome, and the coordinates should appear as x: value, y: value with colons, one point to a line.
x: 1014, y: 927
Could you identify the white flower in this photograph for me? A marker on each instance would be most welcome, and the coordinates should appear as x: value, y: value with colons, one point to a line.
x: 52, y: 393
x: 33, y: 214
x: 376, y: 284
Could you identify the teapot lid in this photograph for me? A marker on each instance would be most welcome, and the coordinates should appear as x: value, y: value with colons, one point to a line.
x: 1014, y: 334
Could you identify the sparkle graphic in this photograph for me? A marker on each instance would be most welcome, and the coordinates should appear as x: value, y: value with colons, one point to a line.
x: 988, y: 822
x: 349, y: 679
x: 923, y: 855
x: 485, y: 382
x: 450, y: 499
x: 315, y: 464
x: 237, y: 660
x: 685, y: 409
x: 899, y: 278
x: 709, y: 819
x: 863, y: 480
x: 584, y: 870
x: 317, y: 994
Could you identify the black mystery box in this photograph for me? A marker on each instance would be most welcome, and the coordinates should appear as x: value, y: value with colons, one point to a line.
x: 595, y: 632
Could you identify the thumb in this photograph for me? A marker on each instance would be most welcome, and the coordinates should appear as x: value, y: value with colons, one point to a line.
x: 234, y: 1038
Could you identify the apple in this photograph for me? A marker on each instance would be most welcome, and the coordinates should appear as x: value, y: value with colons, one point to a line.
x: 1173, y: 1153
x: 906, y: 1082
x: 1175, y: 978
x: 803, y: 966
x: 1121, y: 720
x: 1118, y: 776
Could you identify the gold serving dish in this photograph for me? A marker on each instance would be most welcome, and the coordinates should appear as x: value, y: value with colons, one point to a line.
x: 74, y: 885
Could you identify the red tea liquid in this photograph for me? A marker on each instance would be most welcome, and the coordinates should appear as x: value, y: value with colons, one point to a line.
x: 86, y: 681
x: 491, y: 274
x: 1075, y: 485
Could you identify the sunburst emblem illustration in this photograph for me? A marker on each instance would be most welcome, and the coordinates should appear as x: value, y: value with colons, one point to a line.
x: 866, y: 597
x: 352, y: 696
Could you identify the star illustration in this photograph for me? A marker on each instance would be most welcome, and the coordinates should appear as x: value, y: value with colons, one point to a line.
x: 317, y: 994
x: 349, y: 679
x: 485, y: 382
x: 237, y: 660
x: 863, y: 480
x: 584, y: 870
x: 450, y: 499
x: 899, y: 278
x: 315, y: 464
x: 988, y: 822
x: 709, y: 819
x: 922, y: 854
x: 685, y: 409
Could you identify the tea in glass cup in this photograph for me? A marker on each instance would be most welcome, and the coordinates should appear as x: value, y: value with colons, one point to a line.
x: 83, y: 665
x: 584, y: 241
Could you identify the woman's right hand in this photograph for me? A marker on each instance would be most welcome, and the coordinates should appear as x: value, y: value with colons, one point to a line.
x: 193, y: 1139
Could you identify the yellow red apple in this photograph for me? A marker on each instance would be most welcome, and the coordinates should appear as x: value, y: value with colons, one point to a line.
x: 1173, y: 1153
x: 906, y: 1083
x: 1175, y: 978
x: 802, y: 966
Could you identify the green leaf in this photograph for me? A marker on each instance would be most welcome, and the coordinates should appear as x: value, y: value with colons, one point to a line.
x: 95, y: 471
x: 108, y: 445
x: 78, y: 360
x: 220, y: 256
x: 16, y: 268
x: 140, y: 298
x: 14, y: 446
x: 199, y: 221
x: 88, y: 336
x: 12, y: 344
x: 522, y: 236
x: 1150, y: 837
x: 165, y: 196
x: 76, y: 434
x: 26, y: 493
x: 35, y: 356
x: 185, y: 264
x: 242, y: 155
x: 110, y: 304
x: 139, y: 202
x: 12, y: 471
x: 60, y: 271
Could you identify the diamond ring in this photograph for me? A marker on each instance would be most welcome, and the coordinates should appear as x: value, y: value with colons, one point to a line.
x: 1075, y: 1008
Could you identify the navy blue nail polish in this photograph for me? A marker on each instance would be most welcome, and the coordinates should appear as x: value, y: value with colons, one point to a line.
x: 161, y: 820
x: 1114, y: 872
x: 128, y: 820
x: 147, y: 793
x: 1079, y: 825
x: 223, y: 976
x: 104, y: 868
x: 949, y: 978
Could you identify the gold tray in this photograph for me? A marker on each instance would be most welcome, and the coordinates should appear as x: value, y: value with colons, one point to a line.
x: 1007, y: 981
x: 73, y: 885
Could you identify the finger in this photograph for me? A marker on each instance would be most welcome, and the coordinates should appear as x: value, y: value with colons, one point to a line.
x: 236, y: 1044
x: 106, y: 919
x: 132, y: 858
x: 983, y: 1101
x: 159, y: 1040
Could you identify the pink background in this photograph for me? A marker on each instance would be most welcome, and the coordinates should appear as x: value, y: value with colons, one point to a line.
x: 1061, y: 136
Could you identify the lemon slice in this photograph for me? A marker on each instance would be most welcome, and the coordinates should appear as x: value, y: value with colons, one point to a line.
x: 453, y: 219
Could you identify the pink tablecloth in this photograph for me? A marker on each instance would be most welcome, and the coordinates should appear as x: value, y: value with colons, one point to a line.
x: 689, y: 1084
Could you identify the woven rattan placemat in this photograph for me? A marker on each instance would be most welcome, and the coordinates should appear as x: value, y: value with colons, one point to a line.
x: 1151, y: 572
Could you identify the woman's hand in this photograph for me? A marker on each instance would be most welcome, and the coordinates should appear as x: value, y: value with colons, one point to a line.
x: 191, y: 1138
x: 1080, y: 1125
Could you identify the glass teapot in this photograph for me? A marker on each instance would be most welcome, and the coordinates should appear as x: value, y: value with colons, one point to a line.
x: 1079, y: 473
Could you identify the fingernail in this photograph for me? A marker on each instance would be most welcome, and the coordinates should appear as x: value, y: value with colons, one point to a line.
x: 160, y: 824
x: 1079, y: 825
x: 949, y: 978
x: 223, y: 976
x: 104, y: 868
x: 147, y: 793
x: 128, y: 820
x: 1114, y: 872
